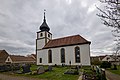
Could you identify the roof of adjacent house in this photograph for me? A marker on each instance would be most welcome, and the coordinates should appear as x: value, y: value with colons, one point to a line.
x: 21, y: 58
x: 34, y: 55
x: 101, y: 57
x: 66, y: 41
x: 3, y: 56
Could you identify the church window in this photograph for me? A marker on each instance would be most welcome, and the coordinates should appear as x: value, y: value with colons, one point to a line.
x: 50, y: 56
x: 41, y: 34
x: 77, y: 54
x: 40, y: 60
x: 62, y: 55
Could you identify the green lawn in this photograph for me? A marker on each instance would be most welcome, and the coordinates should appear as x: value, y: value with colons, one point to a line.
x: 115, y: 71
x: 56, y: 74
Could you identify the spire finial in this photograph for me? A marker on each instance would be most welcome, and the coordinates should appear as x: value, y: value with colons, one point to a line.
x: 44, y: 26
x: 44, y: 14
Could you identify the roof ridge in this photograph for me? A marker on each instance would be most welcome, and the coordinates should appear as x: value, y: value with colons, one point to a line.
x: 17, y: 55
x: 2, y: 50
x: 65, y: 37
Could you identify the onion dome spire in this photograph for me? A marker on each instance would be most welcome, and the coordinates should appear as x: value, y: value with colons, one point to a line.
x: 44, y: 26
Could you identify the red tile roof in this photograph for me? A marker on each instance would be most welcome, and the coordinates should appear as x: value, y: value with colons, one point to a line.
x: 34, y: 55
x: 66, y: 41
x: 3, y: 56
x: 20, y: 58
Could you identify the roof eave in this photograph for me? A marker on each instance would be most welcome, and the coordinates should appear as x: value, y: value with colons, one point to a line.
x: 67, y: 45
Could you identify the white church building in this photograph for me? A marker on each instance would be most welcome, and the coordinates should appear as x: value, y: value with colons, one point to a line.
x: 70, y: 50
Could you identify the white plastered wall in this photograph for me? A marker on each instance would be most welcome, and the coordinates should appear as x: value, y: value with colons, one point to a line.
x: 69, y: 55
x: 40, y: 43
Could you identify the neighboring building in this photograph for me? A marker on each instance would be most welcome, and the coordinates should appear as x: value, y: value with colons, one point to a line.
x: 74, y: 50
x: 3, y: 57
x: 97, y: 58
x: 112, y: 59
x: 33, y: 56
x: 94, y: 58
x: 101, y: 57
x: 17, y: 59
x: 107, y: 58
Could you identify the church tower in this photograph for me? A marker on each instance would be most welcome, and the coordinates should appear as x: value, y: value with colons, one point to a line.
x: 43, y: 36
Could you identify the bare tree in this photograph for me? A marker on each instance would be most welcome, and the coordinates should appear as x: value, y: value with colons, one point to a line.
x: 110, y: 15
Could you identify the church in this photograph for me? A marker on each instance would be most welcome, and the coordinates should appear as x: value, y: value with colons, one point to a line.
x: 69, y: 50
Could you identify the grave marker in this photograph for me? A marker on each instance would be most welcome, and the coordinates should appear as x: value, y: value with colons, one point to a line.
x: 40, y: 70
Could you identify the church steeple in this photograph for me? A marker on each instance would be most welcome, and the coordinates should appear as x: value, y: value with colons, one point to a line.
x: 44, y: 26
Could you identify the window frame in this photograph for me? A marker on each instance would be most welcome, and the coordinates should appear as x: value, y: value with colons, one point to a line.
x: 40, y: 60
x: 41, y: 34
x: 49, y: 56
x: 62, y: 53
x: 77, y: 55
x: 49, y: 35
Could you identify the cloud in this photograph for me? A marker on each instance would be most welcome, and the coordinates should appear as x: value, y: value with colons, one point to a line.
x: 20, y: 20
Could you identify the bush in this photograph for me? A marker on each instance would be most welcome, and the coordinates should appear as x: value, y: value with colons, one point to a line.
x: 95, y: 62
x: 4, y: 68
x: 114, y: 67
x: 105, y: 65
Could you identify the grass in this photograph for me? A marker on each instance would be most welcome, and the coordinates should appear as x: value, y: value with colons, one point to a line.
x: 87, y: 69
x: 56, y: 74
x: 115, y: 71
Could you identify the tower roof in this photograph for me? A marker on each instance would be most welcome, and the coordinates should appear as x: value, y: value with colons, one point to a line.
x: 44, y: 26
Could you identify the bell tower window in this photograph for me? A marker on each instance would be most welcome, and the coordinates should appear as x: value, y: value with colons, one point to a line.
x: 41, y: 34
x: 48, y: 35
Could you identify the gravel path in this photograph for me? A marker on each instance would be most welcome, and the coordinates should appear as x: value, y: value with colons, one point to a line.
x: 12, y: 77
x: 112, y: 76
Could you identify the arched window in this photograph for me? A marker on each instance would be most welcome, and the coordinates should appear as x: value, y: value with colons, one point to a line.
x: 48, y: 35
x: 77, y: 54
x: 62, y: 55
x: 40, y: 60
x: 41, y: 34
x: 50, y: 56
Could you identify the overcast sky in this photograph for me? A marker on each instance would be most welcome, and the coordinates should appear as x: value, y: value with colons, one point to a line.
x: 20, y: 20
